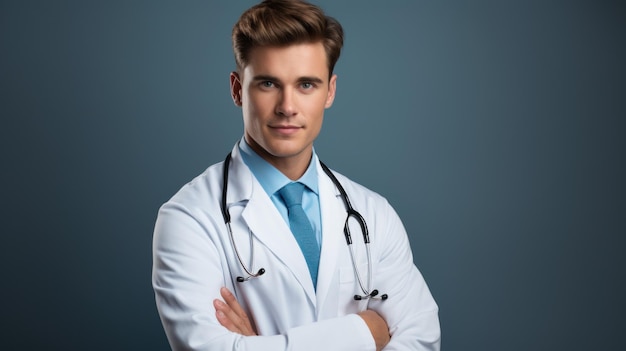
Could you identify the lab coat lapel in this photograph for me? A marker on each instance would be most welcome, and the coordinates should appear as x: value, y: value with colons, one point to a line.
x: 266, y: 223
x: 333, y: 219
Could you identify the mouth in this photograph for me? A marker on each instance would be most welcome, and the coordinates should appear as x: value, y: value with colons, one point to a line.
x: 286, y: 129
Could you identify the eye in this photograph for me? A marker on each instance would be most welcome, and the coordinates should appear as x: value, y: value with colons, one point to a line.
x: 307, y: 85
x: 267, y: 84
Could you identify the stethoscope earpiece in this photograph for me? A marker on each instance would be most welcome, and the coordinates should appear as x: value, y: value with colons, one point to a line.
x: 372, y: 295
x: 258, y: 274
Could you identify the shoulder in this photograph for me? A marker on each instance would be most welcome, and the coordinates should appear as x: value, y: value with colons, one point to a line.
x: 360, y: 194
x: 203, y: 189
x: 381, y: 218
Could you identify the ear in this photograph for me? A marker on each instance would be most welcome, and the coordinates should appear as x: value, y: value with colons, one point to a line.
x: 235, y: 88
x: 332, y: 88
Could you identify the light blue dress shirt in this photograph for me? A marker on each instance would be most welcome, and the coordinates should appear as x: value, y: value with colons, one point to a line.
x: 272, y: 180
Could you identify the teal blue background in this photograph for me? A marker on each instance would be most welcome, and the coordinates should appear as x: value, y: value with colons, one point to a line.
x: 504, y: 119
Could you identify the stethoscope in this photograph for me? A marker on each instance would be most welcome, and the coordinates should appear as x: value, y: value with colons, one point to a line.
x: 352, y: 213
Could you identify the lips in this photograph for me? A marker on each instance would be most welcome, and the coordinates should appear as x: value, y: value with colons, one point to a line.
x: 286, y: 129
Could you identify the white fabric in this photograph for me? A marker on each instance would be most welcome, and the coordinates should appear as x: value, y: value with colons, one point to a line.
x: 193, y: 258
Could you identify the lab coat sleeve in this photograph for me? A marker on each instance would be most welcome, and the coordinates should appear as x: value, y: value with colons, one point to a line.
x: 187, y: 275
x: 410, y: 311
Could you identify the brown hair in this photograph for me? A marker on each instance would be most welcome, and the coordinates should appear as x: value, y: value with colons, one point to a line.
x: 282, y: 23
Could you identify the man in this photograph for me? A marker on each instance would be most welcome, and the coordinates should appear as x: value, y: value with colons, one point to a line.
x: 251, y: 254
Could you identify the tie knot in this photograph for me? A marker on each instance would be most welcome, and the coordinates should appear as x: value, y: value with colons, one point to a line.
x: 292, y: 194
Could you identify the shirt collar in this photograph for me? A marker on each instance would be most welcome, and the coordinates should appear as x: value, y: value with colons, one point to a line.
x: 270, y: 178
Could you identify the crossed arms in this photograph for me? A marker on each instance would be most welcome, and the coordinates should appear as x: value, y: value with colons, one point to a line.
x: 232, y: 316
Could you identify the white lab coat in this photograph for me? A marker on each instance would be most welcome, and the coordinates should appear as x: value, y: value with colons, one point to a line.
x: 193, y: 258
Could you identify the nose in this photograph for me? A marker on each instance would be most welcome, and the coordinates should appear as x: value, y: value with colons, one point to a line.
x: 286, y: 105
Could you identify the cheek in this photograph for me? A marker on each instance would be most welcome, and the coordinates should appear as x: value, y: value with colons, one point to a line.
x: 316, y: 117
x: 316, y: 111
x: 257, y: 107
x: 250, y: 109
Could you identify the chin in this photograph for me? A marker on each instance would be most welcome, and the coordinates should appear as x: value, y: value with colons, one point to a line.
x: 285, y: 151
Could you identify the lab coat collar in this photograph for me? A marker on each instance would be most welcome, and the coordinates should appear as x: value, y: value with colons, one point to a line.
x: 333, y: 218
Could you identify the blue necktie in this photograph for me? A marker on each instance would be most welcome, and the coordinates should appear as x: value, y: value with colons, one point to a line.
x: 301, y: 227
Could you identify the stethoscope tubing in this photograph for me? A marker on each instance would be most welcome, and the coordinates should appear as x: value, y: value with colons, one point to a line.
x: 352, y: 213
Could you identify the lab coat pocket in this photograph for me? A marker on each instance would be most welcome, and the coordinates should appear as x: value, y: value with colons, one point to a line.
x: 349, y: 286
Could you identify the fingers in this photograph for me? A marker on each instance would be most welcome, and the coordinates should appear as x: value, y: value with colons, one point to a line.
x: 222, y: 314
x: 231, y: 301
x: 231, y: 315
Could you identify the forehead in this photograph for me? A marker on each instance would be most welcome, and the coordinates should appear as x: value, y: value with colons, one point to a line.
x: 293, y: 61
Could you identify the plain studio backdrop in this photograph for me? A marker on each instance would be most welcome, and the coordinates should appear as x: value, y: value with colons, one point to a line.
x: 495, y: 128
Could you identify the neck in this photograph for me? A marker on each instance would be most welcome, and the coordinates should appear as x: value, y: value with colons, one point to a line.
x: 293, y: 166
x: 292, y: 170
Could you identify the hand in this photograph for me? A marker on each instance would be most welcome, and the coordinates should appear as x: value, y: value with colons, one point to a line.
x: 231, y: 316
x: 378, y: 328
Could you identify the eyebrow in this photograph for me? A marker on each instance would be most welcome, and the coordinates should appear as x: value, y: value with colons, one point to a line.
x: 311, y: 79
x: 264, y: 77
x: 300, y: 79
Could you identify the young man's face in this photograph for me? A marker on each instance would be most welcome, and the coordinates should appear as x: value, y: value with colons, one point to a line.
x: 283, y: 92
